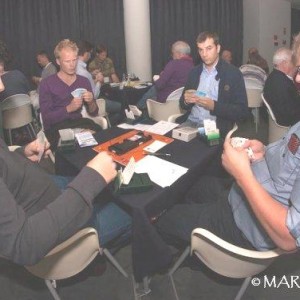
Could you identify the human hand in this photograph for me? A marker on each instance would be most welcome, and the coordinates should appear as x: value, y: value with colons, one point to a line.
x: 104, y: 165
x: 32, y: 150
x: 205, y: 102
x: 36, y: 79
x: 87, y: 97
x: 257, y: 147
x: 75, y: 104
x: 235, y: 160
x: 190, y: 96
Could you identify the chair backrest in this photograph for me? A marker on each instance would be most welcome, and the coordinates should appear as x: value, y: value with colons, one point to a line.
x: 253, y: 83
x: 68, y: 258
x: 254, y: 97
x: 16, y: 114
x: 161, y: 111
x: 99, y: 119
x: 15, y: 101
x: 175, y: 95
x: 227, y: 259
x: 269, y: 108
x: 276, y: 131
x: 102, y: 107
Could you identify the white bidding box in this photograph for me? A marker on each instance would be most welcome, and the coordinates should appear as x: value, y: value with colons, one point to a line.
x: 185, y: 134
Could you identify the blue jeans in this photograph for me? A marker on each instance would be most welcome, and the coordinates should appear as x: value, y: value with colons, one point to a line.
x: 150, y: 94
x: 109, y: 220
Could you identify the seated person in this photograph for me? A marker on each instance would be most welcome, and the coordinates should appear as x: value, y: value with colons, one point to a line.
x: 14, y: 81
x: 254, y: 76
x: 255, y: 58
x: 58, y: 107
x: 221, y: 85
x: 280, y: 91
x: 227, y: 55
x: 113, y: 108
x: 172, y: 77
x: 260, y: 210
x: 103, y: 64
x: 36, y: 214
x: 48, y: 68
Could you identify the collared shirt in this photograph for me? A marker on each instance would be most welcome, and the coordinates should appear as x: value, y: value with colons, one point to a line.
x: 279, y: 174
x: 48, y: 70
x: 210, y: 86
x: 81, y: 70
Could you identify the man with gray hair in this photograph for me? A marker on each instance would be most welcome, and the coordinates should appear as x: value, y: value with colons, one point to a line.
x: 173, y: 76
x: 280, y: 90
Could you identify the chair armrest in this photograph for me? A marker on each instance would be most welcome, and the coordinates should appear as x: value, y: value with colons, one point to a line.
x: 13, y: 147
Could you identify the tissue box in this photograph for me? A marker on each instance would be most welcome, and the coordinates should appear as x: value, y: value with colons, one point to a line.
x: 185, y: 134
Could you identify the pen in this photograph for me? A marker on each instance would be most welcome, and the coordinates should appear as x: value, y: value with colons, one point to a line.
x: 157, y: 154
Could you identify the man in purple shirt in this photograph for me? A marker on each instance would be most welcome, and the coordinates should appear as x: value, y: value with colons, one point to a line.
x: 59, y: 108
x: 173, y: 76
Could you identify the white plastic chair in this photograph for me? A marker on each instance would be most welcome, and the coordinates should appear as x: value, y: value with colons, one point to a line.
x: 71, y: 257
x: 102, y: 117
x: 175, y: 95
x: 16, y: 113
x: 276, y: 131
x: 162, y: 111
x: 226, y: 259
x: 254, y: 102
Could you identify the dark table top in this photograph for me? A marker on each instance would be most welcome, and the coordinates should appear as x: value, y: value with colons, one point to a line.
x: 126, y: 96
x: 149, y: 252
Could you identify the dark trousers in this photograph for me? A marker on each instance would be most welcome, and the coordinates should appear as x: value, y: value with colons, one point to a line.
x: 206, y: 206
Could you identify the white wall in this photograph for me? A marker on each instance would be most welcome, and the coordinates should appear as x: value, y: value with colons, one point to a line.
x: 262, y: 20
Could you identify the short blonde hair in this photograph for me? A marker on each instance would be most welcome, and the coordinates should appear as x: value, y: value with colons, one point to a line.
x: 296, y: 49
x: 66, y: 43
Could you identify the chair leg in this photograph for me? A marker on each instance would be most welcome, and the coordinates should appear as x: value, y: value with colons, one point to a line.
x: 176, y: 266
x: 114, y: 262
x: 9, y: 137
x: 51, y: 284
x: 243, y: 288
x: 256, y: 118
x: 31, y: 131
x: 180, y: 260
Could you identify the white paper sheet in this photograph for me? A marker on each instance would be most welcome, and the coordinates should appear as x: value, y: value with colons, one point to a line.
x: 161, y: 172
x: 162, y: 127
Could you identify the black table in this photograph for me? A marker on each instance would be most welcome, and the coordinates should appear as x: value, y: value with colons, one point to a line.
x: 149, y: 252
x: 126, y: 96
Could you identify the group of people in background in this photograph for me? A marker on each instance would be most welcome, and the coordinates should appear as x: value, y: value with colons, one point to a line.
x: 256, y: 207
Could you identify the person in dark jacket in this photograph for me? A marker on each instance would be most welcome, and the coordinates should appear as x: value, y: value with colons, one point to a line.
x: 215, y: 89
x: 280, y: 90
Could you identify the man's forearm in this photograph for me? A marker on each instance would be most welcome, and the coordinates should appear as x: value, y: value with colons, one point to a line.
x: 270, y: 213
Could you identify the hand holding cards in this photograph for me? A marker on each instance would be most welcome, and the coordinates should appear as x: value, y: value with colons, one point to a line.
x: 41, y: 139
x: 78, y: 92
x: 238, y: 142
